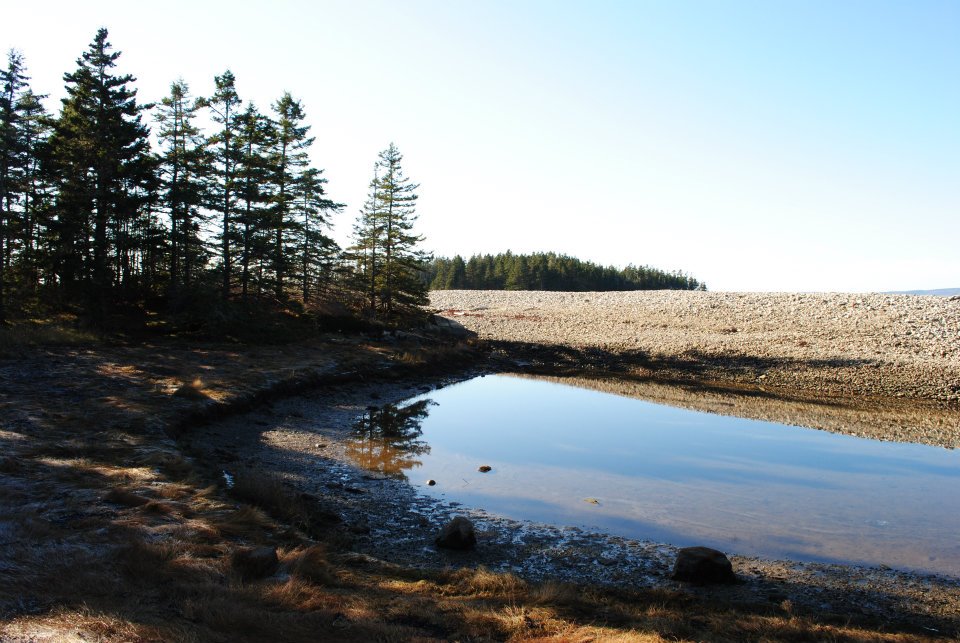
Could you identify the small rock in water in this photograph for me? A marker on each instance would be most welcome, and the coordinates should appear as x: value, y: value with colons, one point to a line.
x: 431, y: 482
x: 457, y: 534
x: 703, y: 565
x: 484, y: 468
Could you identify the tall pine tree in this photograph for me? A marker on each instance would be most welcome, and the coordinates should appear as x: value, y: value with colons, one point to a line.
x: 288, y: 163
x: 184, y: 163
x: 385, y: 246
x: 256, y: 133
x: 225, y: 109
x: 99, y: 148
x: 12, y: 82
x: 317, y: 249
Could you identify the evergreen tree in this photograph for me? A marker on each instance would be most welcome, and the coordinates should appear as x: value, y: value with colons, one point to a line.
x: 12, y: 81
x: 384, y: 242
x: 34, y: 124
x: 549, y: 271
x: 256, y: 134
x: 317, y: 250
x: 224, y: 106
x: 288, y: 164
x: 367, y: 244
x: 99, y: 147
x: 183, y: 163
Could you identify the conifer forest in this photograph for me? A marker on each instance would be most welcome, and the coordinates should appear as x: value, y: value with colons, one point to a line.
x: 114, y: 204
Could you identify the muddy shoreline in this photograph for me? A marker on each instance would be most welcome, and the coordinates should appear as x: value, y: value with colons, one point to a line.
x: 305, y: 440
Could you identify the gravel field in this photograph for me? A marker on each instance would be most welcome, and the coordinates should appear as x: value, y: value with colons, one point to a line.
x: 892, y: 346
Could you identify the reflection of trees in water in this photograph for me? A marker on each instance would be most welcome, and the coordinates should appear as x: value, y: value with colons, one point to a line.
x: 386, y: 438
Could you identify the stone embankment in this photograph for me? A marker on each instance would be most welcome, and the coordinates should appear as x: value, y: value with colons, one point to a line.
x: 870, y: 345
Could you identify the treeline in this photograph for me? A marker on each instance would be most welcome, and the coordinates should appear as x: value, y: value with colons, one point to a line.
x: 93, y: 216
x: 549, y: 271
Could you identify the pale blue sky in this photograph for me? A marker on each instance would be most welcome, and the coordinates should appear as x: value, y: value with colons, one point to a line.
x: 778, y: 145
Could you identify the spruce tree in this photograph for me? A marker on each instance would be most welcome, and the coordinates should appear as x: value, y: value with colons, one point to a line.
x: 34, y: 124
x: 12, y: 82
x: 99, y: 147
x: 317, y: 249
x: 256, y: 134
x: 384, y: 242
x: 184, y: 163
x: 224, y: 106
x: 289, y: 162
x: 366, y: 251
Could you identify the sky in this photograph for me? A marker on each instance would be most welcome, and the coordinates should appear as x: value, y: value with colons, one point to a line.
x: 788, y: 145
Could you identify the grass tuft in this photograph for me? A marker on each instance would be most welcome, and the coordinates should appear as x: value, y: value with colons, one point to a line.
x: 483, y: 582
x: 192, y: 391
x: 311, y: 564
x: 17, y: 339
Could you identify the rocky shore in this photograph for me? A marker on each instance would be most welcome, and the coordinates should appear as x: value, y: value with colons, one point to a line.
x: 863, y: 345
x: 310, y: 443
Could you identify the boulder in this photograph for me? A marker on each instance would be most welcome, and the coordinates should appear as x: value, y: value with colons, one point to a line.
x: 254, y: 562
x: 703, y: 565
x: 457, y: 534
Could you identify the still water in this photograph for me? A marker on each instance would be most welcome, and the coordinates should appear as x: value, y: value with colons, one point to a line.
x: 572, y: 456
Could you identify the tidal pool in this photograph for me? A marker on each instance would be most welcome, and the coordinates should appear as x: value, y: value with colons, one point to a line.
x: 573, y: 456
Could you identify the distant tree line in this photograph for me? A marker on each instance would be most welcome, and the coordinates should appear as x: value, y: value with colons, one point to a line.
x: 548, y: 271
x: 95, y: 215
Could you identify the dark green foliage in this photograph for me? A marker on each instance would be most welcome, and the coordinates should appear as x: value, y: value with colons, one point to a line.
x: 92, y: 221
x: 24, y: 190
x: 103, y: 176
x: 298, y: 206
x: 389, y: 264
x: 318, y: 252
x: 184, y: 164
x: 224, y: 106
x: 253, y: 170
x: 548, y: 271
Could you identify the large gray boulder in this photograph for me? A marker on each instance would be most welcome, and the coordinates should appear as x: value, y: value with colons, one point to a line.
x: 703, y: 565
x: 457, y: 534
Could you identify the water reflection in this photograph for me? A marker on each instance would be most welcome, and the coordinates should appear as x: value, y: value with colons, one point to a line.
x: 386, y: 438
x: 748, y: 486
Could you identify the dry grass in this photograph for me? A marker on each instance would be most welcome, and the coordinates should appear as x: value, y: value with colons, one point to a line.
x: 145, y: 556
x: 482, y: 582
x: 310, y: 564
x: 192, y: 391
x: 16, y: 340
x: 269, y: 493
x: 125, y: 497
x: 420, y: 355
x: 243, y: 522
